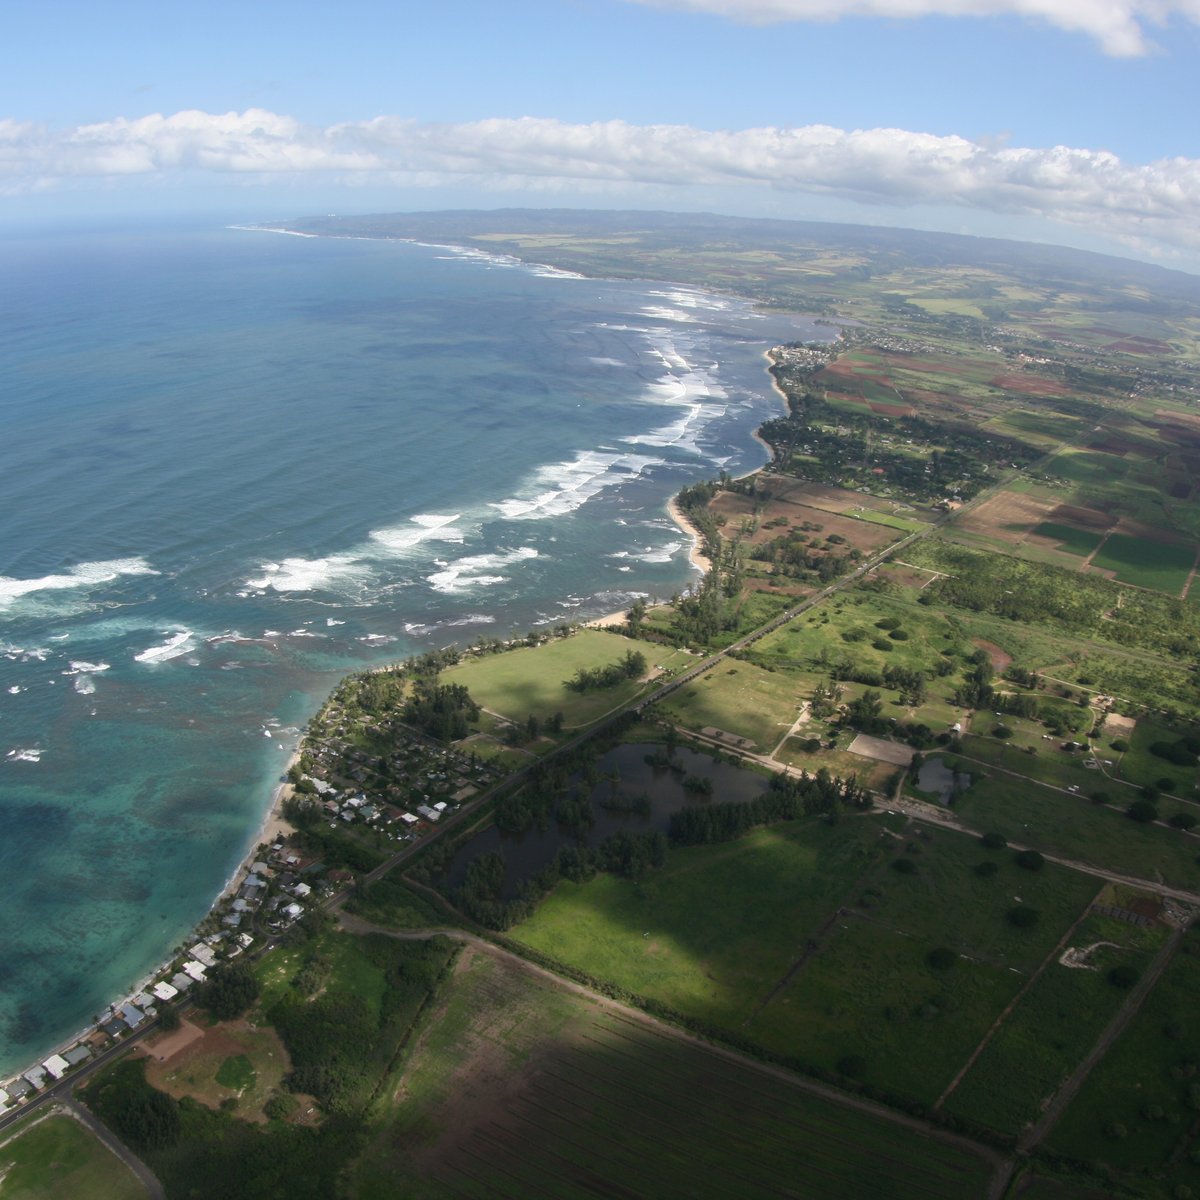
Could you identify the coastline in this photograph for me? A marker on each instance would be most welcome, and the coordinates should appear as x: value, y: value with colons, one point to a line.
x: 696, y: 554
x: 272, y: 824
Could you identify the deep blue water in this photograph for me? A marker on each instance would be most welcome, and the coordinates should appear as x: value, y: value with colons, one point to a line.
x: 236, y: 465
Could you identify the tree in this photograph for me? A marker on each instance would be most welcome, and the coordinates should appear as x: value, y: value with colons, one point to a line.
x: 1030, y: 860
x: 1123, y: 976
x: 1143, y: 811
x: 169, y: 1018
x: 994, y: 841
x: 1022, y: 916
x: 942, y: 958
x: 229, y: 990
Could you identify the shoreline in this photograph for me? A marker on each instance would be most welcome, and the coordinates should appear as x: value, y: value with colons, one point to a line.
x: 273, y: 825
x: 696, y: 554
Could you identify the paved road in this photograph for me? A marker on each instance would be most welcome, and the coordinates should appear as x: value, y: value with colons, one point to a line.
x: 145, y: 1176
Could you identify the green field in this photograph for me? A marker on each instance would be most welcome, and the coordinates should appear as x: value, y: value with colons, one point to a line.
x: 531, y: 679
x: 56, y: 1158
x: 1147, y: 1086
x: 714, y: 930
x: 1052, y: 1028
x: 1161, y: 566
x: 739, y: 698
x: 727, y: 934
x: 521, y: 1089
x: 1070, y: 539
x: 1077, y: 829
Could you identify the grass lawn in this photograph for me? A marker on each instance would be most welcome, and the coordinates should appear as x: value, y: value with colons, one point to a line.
x: 520, y: 1089
x: 1146, y: 1085
x: 532, y: 679
x: 57, y: 1157
x: 1080, y: 830
x: 740, y: 698
x: 1051, y: 1030
x: 1163, y: 566
x: 717, y: 928
x: 1140, y: 767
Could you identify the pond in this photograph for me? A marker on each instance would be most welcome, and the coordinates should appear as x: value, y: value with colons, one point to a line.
x: 940, y: 781
x: 527, y: 853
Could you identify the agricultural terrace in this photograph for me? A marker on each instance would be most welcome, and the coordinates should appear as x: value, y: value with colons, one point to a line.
x: 1055, y: 1022
x: 519, y: 1087
x: 1137, y: 1110
x: 810, y: 940
x: 57, y: 1156
x: 532, y: 679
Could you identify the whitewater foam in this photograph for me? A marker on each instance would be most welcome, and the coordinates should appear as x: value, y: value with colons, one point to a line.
x: 561, y: 488
x: 173, y: 647
x: 84, y: 575
x: 476, y: 570
x: 31, y: 755
x: 309, y: 574
x: 429, y: 527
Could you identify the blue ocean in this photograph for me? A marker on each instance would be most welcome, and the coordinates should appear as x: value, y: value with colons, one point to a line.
x: 237, y: 465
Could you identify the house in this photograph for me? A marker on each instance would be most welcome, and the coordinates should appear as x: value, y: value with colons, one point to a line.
x: 293, y: 911
x: 430, y: 814
x: 18, y: 1089
x: 132, y: 1015
x: 408, y: 818
x: 233, y: 920
x: 181, y: 982
x: 78, y: 1054
x: 114, y: 1027
x: 203, y: 954
x: 164, y: 991
x: 56, y: 1066
x: 194, y: 969
x: 36, y: 1078
x: 301, y: 890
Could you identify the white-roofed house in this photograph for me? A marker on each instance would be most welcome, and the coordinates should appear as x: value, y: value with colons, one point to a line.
x: 164, y: 991
x: 56, y: 1066
x: 194, y: 970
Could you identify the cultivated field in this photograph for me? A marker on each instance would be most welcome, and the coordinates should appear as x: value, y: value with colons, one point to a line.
x: 521, y: 1089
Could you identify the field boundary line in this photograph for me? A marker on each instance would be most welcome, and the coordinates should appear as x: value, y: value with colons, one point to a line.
x: 1012, y: 1004
x: 1124, y: 1015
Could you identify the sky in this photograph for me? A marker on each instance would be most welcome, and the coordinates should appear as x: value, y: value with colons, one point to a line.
x: 1067, y: 121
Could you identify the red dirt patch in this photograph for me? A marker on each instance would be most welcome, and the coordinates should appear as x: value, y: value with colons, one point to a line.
x: 998, y: 657
x: 1139, y: 345
x: 891, y: 410
x: 1086, y: 518
x: 1030, y: 385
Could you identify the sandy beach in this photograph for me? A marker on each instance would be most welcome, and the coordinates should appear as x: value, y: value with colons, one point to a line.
x: 620, y: 617
x: 695, y: 554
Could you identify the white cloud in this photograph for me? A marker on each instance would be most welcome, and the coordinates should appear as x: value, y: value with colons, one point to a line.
x: 1144, y: 205
x: 1118, y: 25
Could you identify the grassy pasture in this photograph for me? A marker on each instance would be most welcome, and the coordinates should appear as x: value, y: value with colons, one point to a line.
x: 1052, y: 1028
x: 58, y: 1157
x: 531, y: 679
x: 1149, y: 1068
x: 714, y: 930
x: 522, y: 1089
x: 1075, y: 828
x: 738, y: 698
x: 1138, y: 766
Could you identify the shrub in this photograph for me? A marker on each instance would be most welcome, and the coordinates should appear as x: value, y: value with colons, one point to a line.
x: 1120, y: 745
x: 1123, y: 977
x: 1002, y: 731
x: 994, y: 841
x: 1022, y: 916
x: 1183, y: 820
x: 899, y: 635
x: 1030, y: 860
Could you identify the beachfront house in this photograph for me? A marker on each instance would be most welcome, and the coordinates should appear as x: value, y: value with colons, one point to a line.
x: 114, y: 1027
x: 17, y: 1089
x: 78, y: 1054
x: 36, y: 1078
x: 132, y: 1015
x: 164, y: 991
x: 181, y: 982
x: 56, y: 1066
x: 194, y: 969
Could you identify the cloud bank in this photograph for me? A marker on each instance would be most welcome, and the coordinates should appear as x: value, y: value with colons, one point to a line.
x: 1118, y: 25
x: 1154, y: 207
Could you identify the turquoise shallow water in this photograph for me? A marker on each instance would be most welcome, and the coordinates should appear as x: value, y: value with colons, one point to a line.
x: 236, y: 465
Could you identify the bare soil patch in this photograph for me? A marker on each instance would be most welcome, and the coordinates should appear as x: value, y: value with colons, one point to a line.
x: 741, y: 511
x: 1008, y: 516
x: 999, y: 659
x: 1030, y: 385
x: 891, y: 410
x: 165, y: 1046
x: 881, y: 750
x: 1085, y: 518
x: 1118, y: 726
